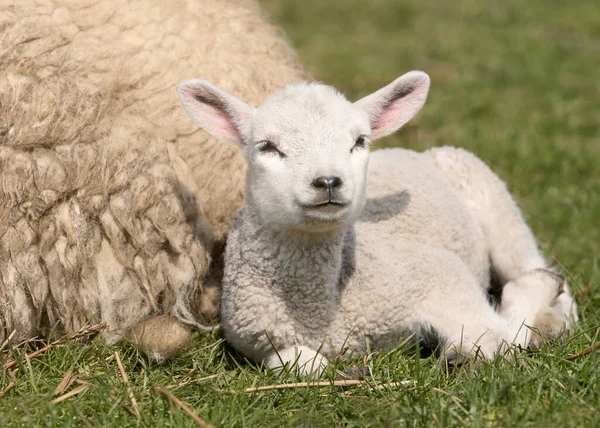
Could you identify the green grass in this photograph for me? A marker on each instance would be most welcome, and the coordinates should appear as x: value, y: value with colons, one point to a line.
x: 516, y: 83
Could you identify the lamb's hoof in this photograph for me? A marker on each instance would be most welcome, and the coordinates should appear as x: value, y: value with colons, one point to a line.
x: 541, y: 287
x: 548, y: 325
x: 562, y: 283
x: 354, y: 373
x: 556, y: 316
x: 454, y: 362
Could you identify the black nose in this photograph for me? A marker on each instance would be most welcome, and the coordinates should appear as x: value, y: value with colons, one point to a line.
x: 327, y: 182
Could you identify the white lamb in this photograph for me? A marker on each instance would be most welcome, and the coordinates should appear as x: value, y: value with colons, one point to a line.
x: 313, y: 268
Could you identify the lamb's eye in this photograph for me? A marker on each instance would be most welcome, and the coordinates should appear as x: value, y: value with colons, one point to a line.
x: 360, y: 143
x: 266, y: 146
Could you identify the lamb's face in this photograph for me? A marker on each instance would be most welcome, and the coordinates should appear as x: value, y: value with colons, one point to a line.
x: 307, y: 146
x: 308, y: 156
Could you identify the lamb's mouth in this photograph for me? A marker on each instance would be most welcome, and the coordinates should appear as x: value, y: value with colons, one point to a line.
x: 326, y: 207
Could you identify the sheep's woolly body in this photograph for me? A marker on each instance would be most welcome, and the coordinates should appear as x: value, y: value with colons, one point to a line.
x: 100, y: 230
x: 111, y: 201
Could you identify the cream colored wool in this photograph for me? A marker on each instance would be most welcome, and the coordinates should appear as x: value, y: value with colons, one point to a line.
x: 111, y: 201
x: 161, y: 336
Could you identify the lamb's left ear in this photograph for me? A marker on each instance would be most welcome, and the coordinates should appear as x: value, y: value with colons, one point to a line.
x: 214, y: 110
x: 395, y: 104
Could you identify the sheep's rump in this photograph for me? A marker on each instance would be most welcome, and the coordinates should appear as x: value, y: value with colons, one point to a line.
x: 111, y: 201
x: 94, y: 229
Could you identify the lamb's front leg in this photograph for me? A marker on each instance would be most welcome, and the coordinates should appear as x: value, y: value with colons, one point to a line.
x: 300, y: 360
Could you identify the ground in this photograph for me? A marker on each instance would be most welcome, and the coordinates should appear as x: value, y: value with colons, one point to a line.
x: 516, y: 83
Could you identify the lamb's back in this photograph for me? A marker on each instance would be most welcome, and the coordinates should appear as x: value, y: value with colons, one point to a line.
x: 409, y: 198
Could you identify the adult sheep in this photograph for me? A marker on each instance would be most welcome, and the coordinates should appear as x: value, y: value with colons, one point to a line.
x: 309, y: 273
x: 112, y: 205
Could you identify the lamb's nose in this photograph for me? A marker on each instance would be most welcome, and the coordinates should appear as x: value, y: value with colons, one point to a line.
x: 329, y: 182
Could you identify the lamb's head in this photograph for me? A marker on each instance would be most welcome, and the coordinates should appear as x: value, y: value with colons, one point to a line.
x: 307, y: 146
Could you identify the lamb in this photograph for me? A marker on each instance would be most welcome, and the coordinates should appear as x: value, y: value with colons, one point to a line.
x: 313, y: 267
x: 112, y: 208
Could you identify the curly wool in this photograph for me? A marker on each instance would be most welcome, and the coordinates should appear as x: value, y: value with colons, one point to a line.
x: 112, y: 203
x: 98, y: 230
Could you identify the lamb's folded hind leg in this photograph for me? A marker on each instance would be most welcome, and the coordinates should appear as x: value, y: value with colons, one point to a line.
x: 458, y: 314
x: 512, y: 246
x: 467, y: 325
x: 532, y: 300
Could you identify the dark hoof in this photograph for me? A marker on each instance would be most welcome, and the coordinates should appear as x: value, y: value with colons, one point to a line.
x: 354, y: 373
x: 455, y: 362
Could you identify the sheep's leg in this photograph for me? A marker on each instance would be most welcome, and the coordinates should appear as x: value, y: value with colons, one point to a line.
x: 474, y: 330
x: 442, y: 302
x: 533, y: 300
x: 512, y: 246
x: 467, y: 325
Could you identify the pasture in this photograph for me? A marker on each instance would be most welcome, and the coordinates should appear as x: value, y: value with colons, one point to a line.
x: 516, y: 83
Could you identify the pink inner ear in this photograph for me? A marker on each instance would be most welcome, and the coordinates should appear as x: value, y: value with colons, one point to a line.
x: 217, y: 121
x: 389, y: 116
x: 210, y: 112
x: 396, y: 112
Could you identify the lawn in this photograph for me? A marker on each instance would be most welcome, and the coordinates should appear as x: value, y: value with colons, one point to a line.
x: 516, y: 83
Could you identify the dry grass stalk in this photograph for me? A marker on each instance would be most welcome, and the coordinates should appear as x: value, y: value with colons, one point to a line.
x: 341, y: 383
x: 117, y: 400
x: 187, y: 375
x: 586, y: 351
x: 560, y: 384
x: 184, y: 407
x: 338, y: 383
x: 134, y: 404
x: 87, y: 419
x: 65, y: 383
x: 11, y: 385
x: 7, y: 341
x: 68, y: 379
x: 441, y: 391
x: 70, y: 394
x: 388, y: 385
x: 83, y: 333
x: 83, y: 382
x: 187, y: 382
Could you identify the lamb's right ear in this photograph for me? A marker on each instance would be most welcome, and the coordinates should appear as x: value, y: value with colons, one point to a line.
x: 395, y: 104
x: 214, y: 110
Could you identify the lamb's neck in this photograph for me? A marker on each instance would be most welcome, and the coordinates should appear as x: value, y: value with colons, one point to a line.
x: 306, y: 266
